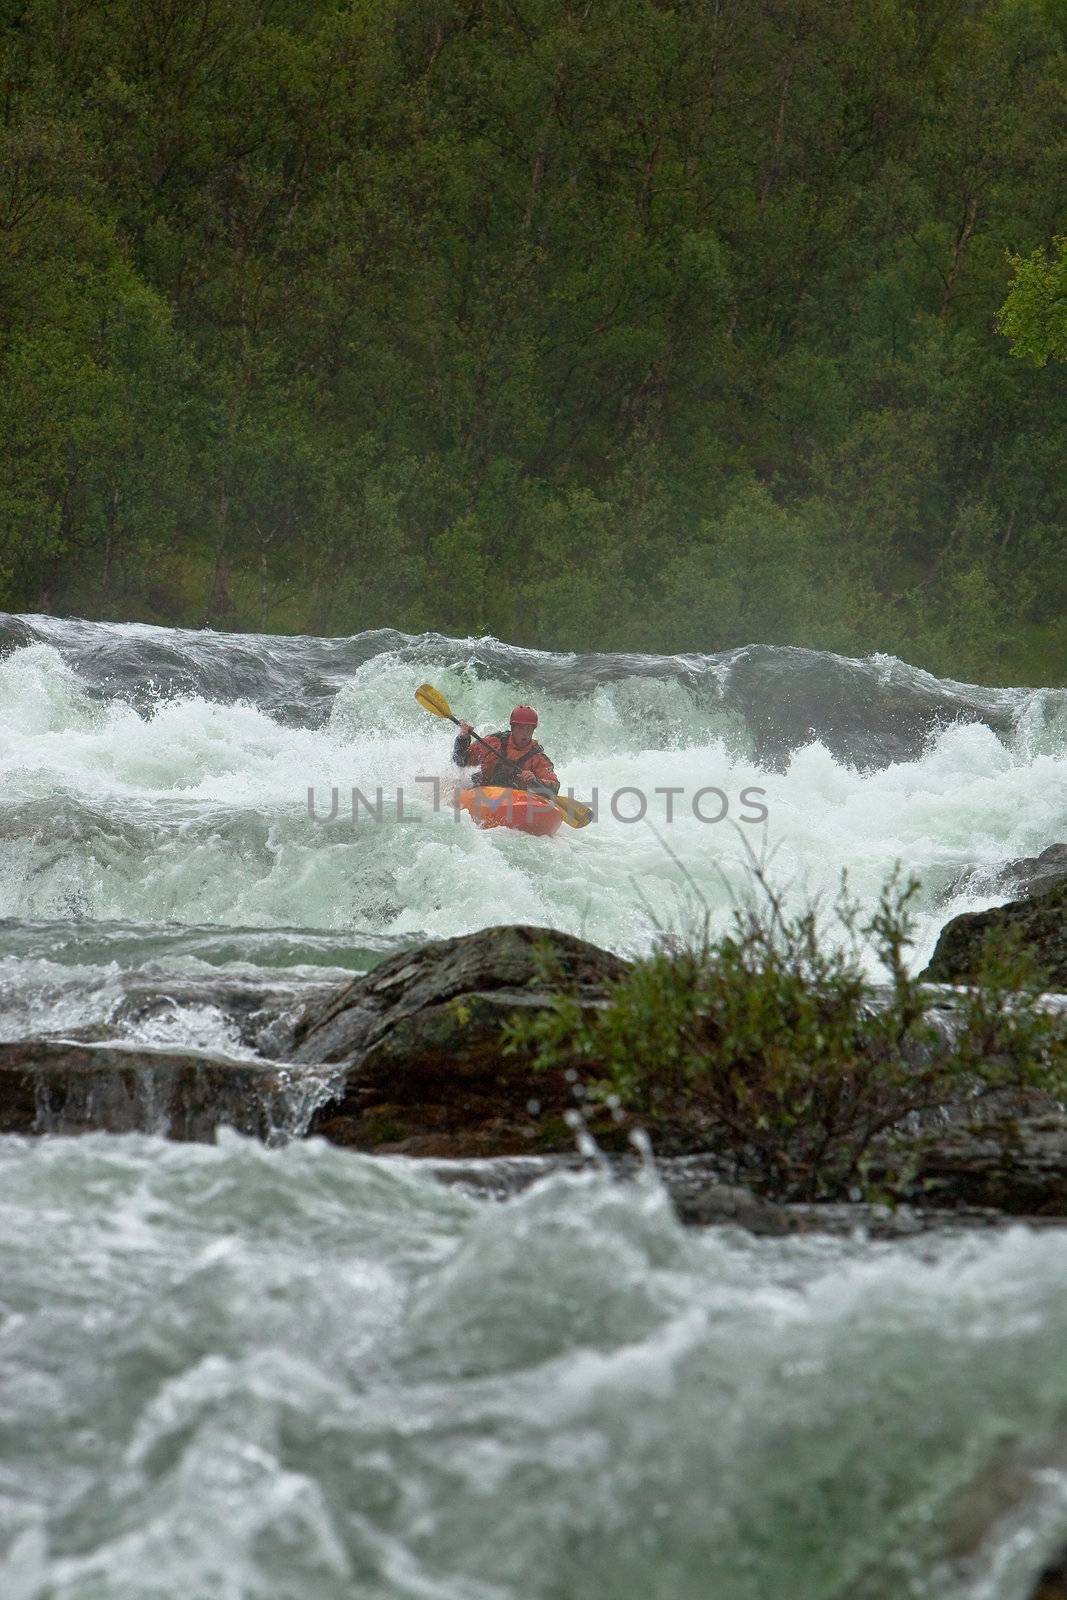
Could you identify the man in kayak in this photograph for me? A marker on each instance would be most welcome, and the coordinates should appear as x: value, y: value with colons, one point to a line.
x: 517, y: 744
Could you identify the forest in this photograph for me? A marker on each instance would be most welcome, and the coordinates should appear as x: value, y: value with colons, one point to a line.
x: 591, y: 324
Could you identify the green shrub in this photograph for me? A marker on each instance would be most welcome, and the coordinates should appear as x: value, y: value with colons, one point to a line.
x: 777, y: 1038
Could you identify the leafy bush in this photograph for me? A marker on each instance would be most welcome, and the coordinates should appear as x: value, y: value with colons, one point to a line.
x: 779, y: 1040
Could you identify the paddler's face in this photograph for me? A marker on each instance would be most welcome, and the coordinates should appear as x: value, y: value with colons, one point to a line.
x: 521, y: 735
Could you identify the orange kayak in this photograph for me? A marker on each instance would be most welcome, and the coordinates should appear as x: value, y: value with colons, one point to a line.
x: 493, y: 807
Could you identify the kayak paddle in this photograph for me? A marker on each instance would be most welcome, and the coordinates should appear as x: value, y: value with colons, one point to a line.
x: 572, y: 811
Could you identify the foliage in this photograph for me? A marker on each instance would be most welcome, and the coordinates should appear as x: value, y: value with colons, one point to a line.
x: 621, y: 326
x: 779, y: 1041
x: 1034, y: 316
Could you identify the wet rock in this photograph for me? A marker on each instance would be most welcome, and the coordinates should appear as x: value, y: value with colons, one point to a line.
x: 57, y: 1086
x: 1022, y: 879
x: 705, y: 1203
x: 1041, y: 921
x: 503, y: 964
x: 1017, y: 1166
x: 977, y: 1173
x: 701, y: 1198
x: 1033, y: 875
x: 420, y: 1040
x: 867, y: 713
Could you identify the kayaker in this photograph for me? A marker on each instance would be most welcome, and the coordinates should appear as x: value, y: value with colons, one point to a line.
x: 515, y: 744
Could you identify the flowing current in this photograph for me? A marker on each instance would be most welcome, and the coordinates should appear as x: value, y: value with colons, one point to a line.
x: 237, y: 1373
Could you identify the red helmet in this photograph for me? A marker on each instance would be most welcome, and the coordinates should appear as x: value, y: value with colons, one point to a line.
x: 524, y: 714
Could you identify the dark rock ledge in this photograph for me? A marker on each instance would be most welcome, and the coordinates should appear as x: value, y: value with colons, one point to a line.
x: 66, y: 1086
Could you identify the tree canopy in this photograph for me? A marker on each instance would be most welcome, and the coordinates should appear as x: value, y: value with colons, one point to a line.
x: 627, y: 325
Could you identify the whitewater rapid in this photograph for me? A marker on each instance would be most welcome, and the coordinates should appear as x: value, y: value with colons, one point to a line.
x: 153, y: 778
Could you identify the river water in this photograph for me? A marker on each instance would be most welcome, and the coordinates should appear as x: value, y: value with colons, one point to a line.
x: 230, y: 1372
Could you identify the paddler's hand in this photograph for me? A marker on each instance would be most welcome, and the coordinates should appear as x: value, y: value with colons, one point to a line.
x: 527, y: 776
x: 466, y: 729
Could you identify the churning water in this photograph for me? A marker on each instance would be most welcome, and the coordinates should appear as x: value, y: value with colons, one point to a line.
x: 155, y: 789
x: 234, y: 1373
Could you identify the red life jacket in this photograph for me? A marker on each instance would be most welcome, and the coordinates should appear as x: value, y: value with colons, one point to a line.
x: 510, y: 777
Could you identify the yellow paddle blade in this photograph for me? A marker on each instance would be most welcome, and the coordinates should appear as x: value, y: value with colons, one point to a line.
x: 574, y: 813
x: 432, y: 699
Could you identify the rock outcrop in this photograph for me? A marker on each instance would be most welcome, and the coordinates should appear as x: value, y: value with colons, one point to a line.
x: 420, y: 1041
x: 1041, y: 921
x: 409, y: 1059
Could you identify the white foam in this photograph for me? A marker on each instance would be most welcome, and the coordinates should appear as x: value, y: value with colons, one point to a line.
x: 195, y: 812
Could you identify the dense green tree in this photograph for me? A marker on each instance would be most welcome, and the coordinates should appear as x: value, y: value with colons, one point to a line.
x: 1034, y: 316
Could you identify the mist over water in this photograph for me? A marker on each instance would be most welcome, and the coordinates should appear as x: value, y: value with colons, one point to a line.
x: 237, y: 1373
